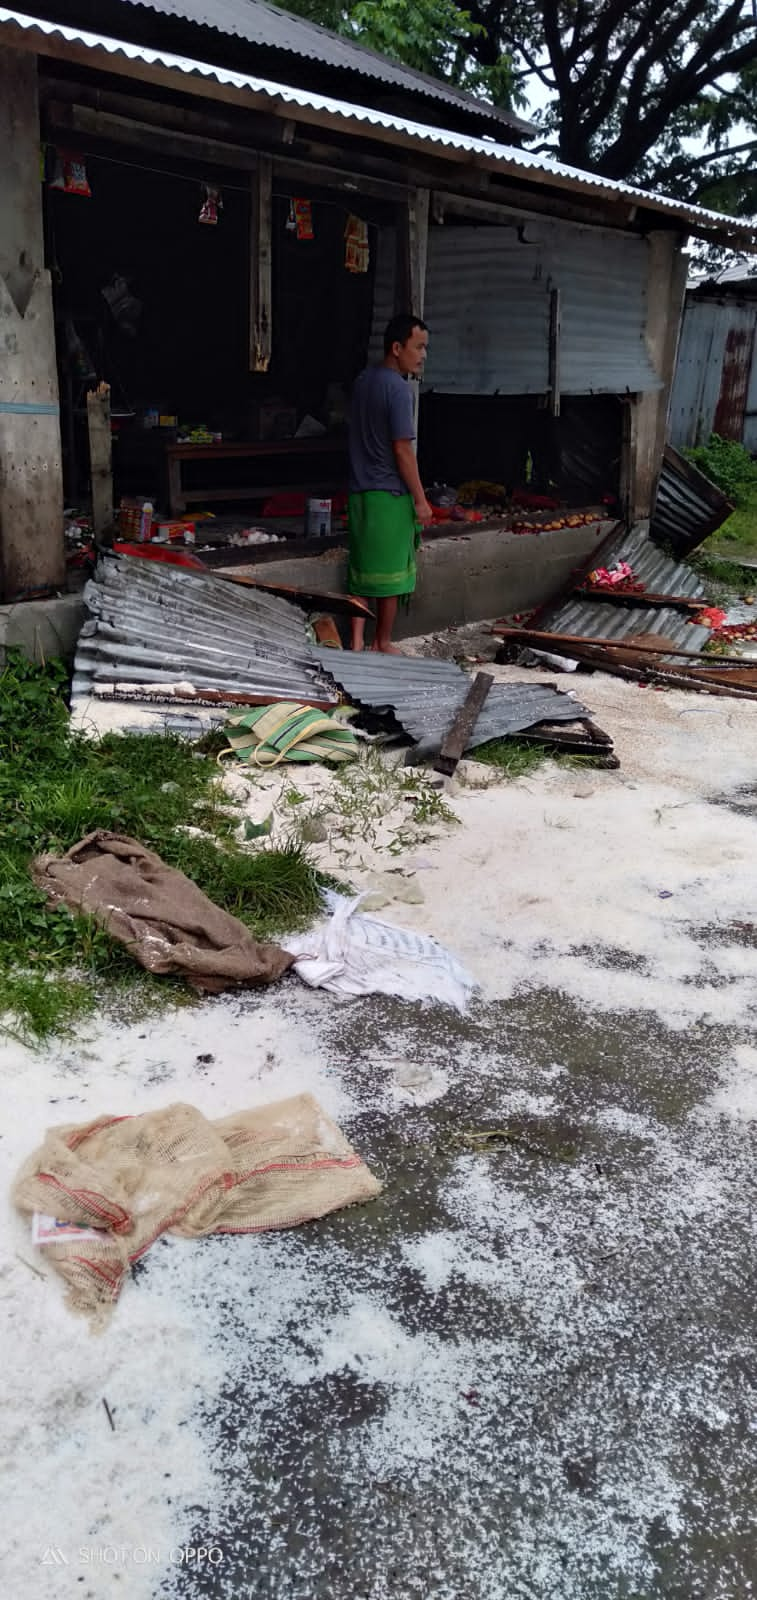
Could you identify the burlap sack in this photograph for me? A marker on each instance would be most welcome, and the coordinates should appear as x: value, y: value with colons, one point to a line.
x: 171, y: 1171
x: 165, y: 921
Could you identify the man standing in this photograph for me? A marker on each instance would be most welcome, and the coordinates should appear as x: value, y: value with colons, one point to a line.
x: 387, y: 500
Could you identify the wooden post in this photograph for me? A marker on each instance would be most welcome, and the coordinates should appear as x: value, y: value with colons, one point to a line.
x: 31, y: 481
x: 412, y: 252
x: 100, y: 457
x: 412, y: 256
x: 666, y: 285
x: 261, y: 307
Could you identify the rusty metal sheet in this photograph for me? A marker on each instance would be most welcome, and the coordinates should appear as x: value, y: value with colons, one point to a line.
x: 734, y: 383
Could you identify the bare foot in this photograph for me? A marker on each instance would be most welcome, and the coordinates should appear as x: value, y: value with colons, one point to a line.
x: 388, y: 649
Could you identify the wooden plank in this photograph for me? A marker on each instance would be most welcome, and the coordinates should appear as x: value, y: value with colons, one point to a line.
x: 311, y: 599
x: 678, y: 602
x: 256, y: 491
x: 456, y: 739
x: 261, y: 257
x: 148, y: 136
x: 100, y: 456
x: 576, y: 641
x: 332, y: 445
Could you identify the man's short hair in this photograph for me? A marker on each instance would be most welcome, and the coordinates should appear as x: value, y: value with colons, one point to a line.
x: 398, y: 331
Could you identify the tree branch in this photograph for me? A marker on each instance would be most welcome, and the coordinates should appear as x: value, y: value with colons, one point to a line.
x: 639, y: 135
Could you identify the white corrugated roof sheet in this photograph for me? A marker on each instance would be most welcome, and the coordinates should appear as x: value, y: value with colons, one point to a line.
x: 518, y: 163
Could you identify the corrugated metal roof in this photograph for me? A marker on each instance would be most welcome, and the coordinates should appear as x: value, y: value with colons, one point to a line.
x: 598, y: 619
x: 412, y: 134
x: 183, y: 633
x: 494, y: 338
x: 688, y: 507
x: 426, y: 696
x: 259, y: 23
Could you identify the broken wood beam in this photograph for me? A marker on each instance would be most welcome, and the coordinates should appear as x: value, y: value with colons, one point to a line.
x: 536, y: 638
x: 456, y: 739
x: 678, y: 602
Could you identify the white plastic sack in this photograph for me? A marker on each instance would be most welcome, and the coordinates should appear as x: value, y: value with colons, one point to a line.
x: 355, y: 955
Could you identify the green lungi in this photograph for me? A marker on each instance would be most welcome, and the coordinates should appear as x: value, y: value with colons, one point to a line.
x: 383, y: 541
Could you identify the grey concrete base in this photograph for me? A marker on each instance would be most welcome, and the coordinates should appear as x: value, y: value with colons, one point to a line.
x: 42, y: 629
x: 465, y: 577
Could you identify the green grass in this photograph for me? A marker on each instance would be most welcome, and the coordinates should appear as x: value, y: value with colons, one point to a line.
x: 516, y: 758
x: 722, y: 577
x: 512, y: 757
x: 57, y: 786
x: 740, y: 530
x: 731, y: 467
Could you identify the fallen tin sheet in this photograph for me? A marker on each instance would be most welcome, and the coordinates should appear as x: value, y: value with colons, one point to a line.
x: 594, y: 617
x: 163, y: 634
x: 689, y: 507
x: 425, y: 696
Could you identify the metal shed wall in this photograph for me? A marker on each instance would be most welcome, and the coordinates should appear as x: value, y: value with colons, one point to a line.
x: 707, y: 327
x: 487, y: 303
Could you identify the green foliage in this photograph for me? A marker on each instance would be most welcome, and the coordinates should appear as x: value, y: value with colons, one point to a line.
x: 57, y: 786
x: 433, y: 36
x: 728, y: 465
x: 661, y: 92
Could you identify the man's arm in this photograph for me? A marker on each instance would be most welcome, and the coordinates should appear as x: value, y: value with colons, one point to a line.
x: 407, y: 467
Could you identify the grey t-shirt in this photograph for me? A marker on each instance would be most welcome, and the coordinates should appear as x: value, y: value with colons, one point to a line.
x: 381, y: 412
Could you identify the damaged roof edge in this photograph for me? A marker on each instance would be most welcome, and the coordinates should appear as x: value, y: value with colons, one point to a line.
x: 59, y: 40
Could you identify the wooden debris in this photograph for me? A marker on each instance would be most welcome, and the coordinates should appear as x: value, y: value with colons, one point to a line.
x: 458, y: 736
x: 100, y: 457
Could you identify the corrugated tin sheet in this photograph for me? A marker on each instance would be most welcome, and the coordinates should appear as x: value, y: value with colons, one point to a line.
x: 426, y: 696
x: 688, y: 507
x: 494, y: 338
x: 707, y: 325
x: 412, y: 134
x: 258, y: 23
x: 161, y: 636
x: 487, y: 305
x: 185, y: 633
x: 597, y: 619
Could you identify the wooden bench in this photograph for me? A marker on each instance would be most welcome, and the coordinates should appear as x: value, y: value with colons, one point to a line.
x: 321, y: 448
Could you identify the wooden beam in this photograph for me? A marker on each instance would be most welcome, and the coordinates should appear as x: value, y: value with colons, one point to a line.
x: 148, y: 136
x: 100, y: 457
x: 35, y: 42
x: 458, y: 736
x: 539, y: 639
x: 261, y: 298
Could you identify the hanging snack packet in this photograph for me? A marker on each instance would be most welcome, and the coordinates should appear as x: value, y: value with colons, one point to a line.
x: 211, y: 205
x: 303, y: 212
x: 70, y: 174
